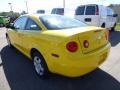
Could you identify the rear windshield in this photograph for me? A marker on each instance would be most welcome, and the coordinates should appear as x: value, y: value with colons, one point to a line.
x: 80, y: 10
x: 54, y: 22
x: 90, y: 10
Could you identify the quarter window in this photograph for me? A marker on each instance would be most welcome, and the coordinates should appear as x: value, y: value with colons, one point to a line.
x: 31, y: 25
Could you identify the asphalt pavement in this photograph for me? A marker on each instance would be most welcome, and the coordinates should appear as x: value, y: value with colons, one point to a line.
x: 17, y: 72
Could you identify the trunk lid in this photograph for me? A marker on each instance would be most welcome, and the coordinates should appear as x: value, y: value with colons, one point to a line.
x: 95, y: 38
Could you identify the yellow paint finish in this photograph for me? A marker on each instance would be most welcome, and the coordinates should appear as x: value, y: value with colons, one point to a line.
x: 49, y: 42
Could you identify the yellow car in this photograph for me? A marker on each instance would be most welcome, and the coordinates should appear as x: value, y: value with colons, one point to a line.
x: 59, y: 44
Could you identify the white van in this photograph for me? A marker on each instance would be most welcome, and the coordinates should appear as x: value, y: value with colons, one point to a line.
x: 96, y: 15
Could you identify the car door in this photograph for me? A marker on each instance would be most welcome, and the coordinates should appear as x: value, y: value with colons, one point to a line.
x: 91, y: 17
x: 29, y: 35
x: 16, y: 33
x: 79, y: 13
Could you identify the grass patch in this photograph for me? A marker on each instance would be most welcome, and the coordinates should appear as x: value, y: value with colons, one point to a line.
x: 117, y: 26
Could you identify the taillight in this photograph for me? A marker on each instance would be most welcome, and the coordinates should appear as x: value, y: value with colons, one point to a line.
x: 86, y: 44
x: 72, y: 46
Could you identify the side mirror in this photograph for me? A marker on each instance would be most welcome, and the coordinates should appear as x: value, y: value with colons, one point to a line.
x: 115, y: 15
x: 10, y: 26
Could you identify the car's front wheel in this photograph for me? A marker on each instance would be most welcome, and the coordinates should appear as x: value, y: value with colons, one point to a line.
x: 39, y: 64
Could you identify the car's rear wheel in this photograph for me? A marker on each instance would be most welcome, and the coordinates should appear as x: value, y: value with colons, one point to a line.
x: 39, y: 64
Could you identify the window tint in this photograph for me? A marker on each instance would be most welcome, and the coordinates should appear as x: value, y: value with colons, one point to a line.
x: 31, y: 25
x: 54, y: 22
x: 20, y: 23
x: 80, y: 10
x: 90, y: 10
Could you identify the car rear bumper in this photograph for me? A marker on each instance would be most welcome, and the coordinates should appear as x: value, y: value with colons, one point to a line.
x: 86, y: 63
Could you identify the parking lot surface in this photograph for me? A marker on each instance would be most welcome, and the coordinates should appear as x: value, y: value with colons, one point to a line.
x: 17, y: 72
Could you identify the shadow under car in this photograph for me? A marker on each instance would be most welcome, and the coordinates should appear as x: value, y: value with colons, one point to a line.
x: 21, y: 75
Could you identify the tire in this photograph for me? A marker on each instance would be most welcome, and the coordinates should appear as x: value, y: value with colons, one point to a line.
x: 113, y: 28
x: 103, y: 25
x: 39, y: 64
x: 9, y: 42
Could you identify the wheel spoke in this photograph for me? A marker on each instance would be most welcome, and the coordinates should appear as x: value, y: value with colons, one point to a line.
x: 38, y: 65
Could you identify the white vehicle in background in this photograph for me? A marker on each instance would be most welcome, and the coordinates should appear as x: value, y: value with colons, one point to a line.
x: 96, y: 15
x: 61, y: 11
x: 40, y: 12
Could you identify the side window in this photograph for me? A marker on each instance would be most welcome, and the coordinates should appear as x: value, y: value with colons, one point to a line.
x: 31, y: 25
x: 109, y: 12
x: 80, y: 10
x: 90, y: 10
x: 20, y: 23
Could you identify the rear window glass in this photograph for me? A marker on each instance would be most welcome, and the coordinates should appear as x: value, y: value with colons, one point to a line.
x: 54, y: 22
x: 90, y: 10
x: 80, y: 10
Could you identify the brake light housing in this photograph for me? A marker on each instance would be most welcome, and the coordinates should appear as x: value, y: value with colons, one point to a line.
x: 97, y: 10
x: 72, y: 46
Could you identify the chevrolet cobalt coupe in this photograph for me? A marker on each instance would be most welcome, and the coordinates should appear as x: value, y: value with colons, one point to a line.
x: 59, y: 44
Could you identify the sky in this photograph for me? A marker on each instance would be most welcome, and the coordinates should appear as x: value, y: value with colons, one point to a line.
x: 33, y: 5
